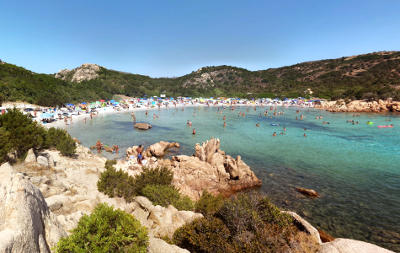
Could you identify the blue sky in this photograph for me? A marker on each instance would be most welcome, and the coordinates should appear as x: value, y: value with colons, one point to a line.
x: 172, y: 38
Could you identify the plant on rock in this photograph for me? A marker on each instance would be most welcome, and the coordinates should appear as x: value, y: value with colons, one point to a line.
x: 106, y: 230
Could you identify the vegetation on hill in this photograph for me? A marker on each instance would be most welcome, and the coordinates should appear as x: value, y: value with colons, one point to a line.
x: 19, y: 133
x: 106, y: 230
x: 369, y: 76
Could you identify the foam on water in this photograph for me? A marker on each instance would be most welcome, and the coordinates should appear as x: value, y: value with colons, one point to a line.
x: 355, y: 168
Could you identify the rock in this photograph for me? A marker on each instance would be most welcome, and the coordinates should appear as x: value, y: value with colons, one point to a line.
x: 160, y: 148
x: 325, y: 237
x: 157, y: 245
x: 307, y: 192
x: 212, y: 170
x: 303, y: 225
x: 161, y: 221
x: 351, y: 246
x: 142, y: 126
x: 26, y: 223
x: 30, y: 157
x: 41, y: 160
x: 85, y: 72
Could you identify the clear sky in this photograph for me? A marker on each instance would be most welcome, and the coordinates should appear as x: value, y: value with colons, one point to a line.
x: 172, y: 38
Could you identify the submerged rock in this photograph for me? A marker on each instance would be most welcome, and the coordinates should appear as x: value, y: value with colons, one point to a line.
x: 307, y: 192
x: 142, y: 126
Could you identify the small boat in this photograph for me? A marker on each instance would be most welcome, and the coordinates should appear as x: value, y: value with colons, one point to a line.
x: 385, y: 126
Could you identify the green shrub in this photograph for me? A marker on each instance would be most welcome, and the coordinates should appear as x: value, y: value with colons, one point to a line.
x: 157, y: 176
x: 209, y: 204
x: 204, y: 235
x: 61, y: 140
x: 5, y: 145
x: 22, y: 133
x: 165, y: 195
x: 106, y: 230
x: 116, y: 183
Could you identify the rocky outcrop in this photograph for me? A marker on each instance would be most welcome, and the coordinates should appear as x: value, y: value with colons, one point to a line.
x: 142, y: 126
x: 159, y: 149
x: 303, y: 225
x: 85, y: 72
x: 161, y: 221
x: 157, y: 245
x: 351, y: 246
x: 210, y: 169
x: 26, y: 223
x: 361, y: 106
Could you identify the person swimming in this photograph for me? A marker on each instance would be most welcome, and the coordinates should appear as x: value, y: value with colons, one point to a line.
x: 274, y: 134
x: 194, y: 131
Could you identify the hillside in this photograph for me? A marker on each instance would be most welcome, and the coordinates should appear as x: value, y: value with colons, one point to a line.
x: 369, y: 76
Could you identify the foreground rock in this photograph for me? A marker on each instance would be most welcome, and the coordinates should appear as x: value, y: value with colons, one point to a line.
x: 70, y: 190
x: 210, y: 169
x: 142, y: 126
x: 26, y: 223
x: 351, y: 246
x: 361, y: 106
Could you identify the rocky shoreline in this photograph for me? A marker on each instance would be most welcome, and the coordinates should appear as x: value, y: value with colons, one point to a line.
x: 43, y: 198
x: 360, y: 106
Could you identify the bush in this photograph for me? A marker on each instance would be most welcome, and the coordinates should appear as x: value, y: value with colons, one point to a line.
x: 116, y: 183
x: 157, y: 176
x: 155, y: 184
x: 5, y: 145
x: 247, y: 222
x: 165, y: 195
x: 22, y: 133
x: 106, y: 230
x: 61, y: 140
x: 208, y: 204
x: 204, y: 235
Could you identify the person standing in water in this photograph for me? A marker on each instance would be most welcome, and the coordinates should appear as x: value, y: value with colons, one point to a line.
x: 194, y: 131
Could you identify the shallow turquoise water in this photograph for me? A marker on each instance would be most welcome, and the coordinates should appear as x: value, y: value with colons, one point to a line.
x: 355, y: 168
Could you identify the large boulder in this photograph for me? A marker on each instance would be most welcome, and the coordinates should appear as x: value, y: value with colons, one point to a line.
x: 210, y: 169
x: 142, y: 126
x: 26, y: 223
x: 351, y: 246
x: 160, y: 148
x: 161, y: 221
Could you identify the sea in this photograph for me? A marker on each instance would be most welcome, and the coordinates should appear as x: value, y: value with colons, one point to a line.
x: 353, y: 165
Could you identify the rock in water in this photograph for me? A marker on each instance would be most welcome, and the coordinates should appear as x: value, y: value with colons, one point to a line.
x: 142, y: 126
x: 26, y: 224
x: 307, y: 192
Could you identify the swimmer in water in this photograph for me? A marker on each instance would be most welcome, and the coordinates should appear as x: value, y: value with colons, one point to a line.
x: 194, y: 131
x: 224, y: 124
x: 258, y: 125
x: 274, y: 134
x: 305, y: 135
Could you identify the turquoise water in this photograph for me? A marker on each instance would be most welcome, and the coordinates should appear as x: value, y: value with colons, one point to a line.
x: 355, y: 168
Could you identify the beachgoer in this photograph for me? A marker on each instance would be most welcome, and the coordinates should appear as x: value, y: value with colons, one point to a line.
x: 224, y: 124
x: 258, y: 125
x: 99, y: 146
x: 139, y: 151
x: 274, y: 134
x: 194, y: 131
x: 305, y: 135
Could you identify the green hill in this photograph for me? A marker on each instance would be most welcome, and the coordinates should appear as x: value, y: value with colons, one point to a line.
x: 369, y: 76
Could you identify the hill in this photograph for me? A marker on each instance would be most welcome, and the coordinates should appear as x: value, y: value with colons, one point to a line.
x: 369, y: 76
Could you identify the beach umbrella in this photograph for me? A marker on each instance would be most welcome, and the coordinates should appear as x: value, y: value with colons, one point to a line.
x: 112, y: 101
x: 102, y: 100
x: 84, y: 103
